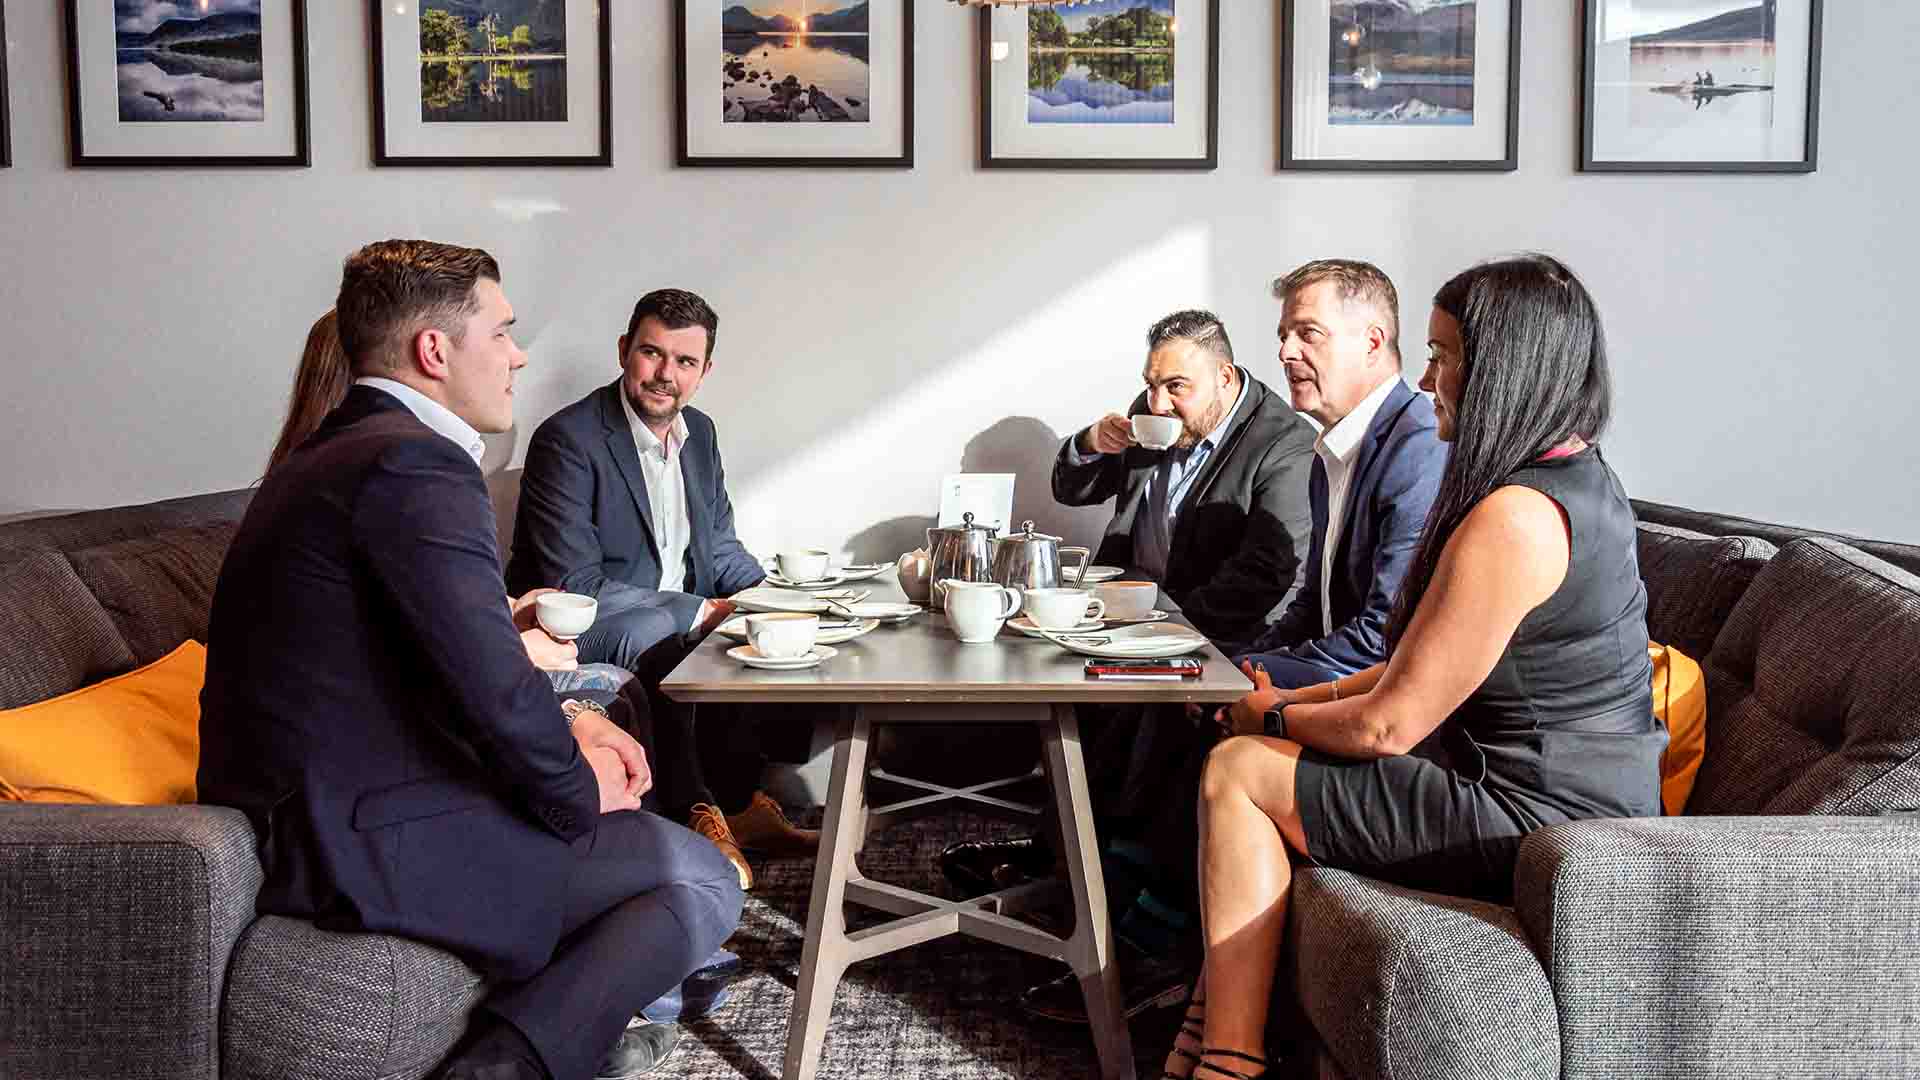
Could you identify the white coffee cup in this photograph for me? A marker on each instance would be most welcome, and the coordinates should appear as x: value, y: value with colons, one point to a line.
x: 1128, y: 599
x: 564, y: 615
x: 1062, y: 609
x: 1157, y: 432
x: 803, y: 564
x: 978, y: 609
x: 779, y: 635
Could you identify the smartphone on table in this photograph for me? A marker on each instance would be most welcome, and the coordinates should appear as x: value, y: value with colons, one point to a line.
x: 1178, y: 667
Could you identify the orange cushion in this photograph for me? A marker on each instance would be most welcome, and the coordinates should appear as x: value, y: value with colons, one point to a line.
x: 1680, y: 701
x: 134, y: 738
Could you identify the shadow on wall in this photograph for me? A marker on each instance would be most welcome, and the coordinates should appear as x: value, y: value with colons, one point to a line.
x: 1020, y: 445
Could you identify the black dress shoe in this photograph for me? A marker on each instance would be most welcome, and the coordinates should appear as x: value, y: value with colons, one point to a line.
x: 1146, y: 982
x: 639, y: 1051
x: 981, y: 866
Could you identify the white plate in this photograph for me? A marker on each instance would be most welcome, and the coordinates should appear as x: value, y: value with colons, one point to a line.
x: 828, y: 582
x: 852, y: 573
x: 747, y: 655
x: 1156, y: 615
x: 762, y: 598
x: 1098, y: 574
x: 736, y: 628
x: 1024, y: 624
x: 1132, y: 642
x: 885, y: 611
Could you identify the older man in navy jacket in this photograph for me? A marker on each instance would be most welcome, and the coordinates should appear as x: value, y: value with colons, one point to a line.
x: 369, y: 705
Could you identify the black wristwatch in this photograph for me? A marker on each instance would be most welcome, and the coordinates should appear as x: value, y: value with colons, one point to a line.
x: 1276, y: 719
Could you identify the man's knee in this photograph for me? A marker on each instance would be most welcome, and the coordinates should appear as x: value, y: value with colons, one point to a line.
x: 624, y: 637
x: 712, y: 885
x: 1229, y: 767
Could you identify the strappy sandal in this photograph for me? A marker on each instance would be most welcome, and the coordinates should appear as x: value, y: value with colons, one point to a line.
x: 1231, y: 1074
x: 1189, y: 1029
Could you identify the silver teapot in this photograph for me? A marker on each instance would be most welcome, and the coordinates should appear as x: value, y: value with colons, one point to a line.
x: 1031, y: 560
x: 963, y: 552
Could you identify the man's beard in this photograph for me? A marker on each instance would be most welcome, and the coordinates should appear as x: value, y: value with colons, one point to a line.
x: 1209, y: 421
x: 649, y: 410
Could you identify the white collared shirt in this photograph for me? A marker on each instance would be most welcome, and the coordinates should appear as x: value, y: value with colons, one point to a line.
x: 1336, y: 447
x: 666, y: 493
x: 431, y: 413
x: 1168, y: 487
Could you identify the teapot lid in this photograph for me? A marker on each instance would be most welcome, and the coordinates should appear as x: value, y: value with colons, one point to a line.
x: 967, y: 525
x: 1026, y: 533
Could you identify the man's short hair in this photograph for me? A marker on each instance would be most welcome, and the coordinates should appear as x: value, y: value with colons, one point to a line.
x: 1358, y: 282
x: 1201, y: 328
x: 392, y: 290
x: 676, y: 309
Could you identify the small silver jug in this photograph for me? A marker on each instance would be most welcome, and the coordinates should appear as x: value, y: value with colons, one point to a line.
x: 1031, y: 560
x: 962, y: 552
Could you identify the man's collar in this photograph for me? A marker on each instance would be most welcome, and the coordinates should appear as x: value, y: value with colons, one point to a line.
x: 431, y: 413
x: 1343, y: 438
x: 642, y: 434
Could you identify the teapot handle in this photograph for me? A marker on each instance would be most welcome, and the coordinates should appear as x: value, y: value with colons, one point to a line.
x: 1086, y: 557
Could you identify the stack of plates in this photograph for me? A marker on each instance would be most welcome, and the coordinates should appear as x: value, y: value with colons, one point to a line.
x: 762, y: 598
x: 832, y: 631
x: 1147, y: 642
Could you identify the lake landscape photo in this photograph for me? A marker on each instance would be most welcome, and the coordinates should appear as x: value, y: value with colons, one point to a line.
x: 1707, y: 63
x: 1103, y: 62
x: 1401, y: 62
x: 202, y: 66
x: 493, y: 61
x: 795, y: 61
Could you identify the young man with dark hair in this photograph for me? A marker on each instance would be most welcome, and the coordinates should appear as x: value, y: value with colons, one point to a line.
x: 624, y: 498
x: 369, y: 705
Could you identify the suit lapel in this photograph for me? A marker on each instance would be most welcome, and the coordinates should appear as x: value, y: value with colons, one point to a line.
x: 627, y: 458
x: 1222, y: 450
x: 1398, y: 399
x: 698, y: 480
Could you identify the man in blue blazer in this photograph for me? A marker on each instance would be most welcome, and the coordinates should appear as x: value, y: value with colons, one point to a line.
x: 369, y: 705
x: 624, y: 498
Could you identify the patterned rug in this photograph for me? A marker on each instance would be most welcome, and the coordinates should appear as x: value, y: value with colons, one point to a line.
x: 945, y: 1009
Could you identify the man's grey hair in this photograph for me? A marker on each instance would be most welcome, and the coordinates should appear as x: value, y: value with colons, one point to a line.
x: 1357, y: 282
x: 1202, y: 328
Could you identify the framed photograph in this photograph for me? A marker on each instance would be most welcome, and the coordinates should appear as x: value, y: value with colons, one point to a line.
x: 796, y: 82
x: 1701, y: 86
x: 215, y: 82
x: 1102, y: 84
x: 6, y: 130
x: 492, y: 82
x: 1400, y: 85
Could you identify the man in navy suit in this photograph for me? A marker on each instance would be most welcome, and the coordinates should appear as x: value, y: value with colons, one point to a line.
x: 624, y: 498
x: 1377, y: 467
x: 370, y: 707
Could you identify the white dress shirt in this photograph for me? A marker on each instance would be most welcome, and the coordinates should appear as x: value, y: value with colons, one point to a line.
x: 431, y: 413
x: 1336, y: 447
x: 666, y: 494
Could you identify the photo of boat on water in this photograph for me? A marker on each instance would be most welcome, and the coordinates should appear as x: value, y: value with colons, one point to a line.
x: 1104, y: 62
x: 795, y: 61
x: 493, y: 61
x: 172, y: 67
x: 1401, y: 62
x: 1705, y: 62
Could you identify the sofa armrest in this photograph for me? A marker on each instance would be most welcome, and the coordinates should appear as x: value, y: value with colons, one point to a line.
x: 1729, y: 946
x: 1405, y: 984
x: 115, y: 925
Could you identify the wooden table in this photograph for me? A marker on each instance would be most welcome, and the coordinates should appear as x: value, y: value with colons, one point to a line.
x: 919, y: 672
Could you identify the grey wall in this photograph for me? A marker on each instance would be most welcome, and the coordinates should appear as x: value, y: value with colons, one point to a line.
x: 882, y: 328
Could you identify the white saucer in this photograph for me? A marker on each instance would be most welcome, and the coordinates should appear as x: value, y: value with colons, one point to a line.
x: 1156, y: 615
x: 736, y: 628
x: 1132, y: 642
x: 827, y: 582
x: 1024, y: 624
x: 747, y: 655
x: 885, y: 611
x: 765, y: 598
x: 1097, y: 574
x: 851, y: 573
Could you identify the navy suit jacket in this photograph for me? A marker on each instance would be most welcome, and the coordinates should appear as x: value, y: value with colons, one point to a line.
x: 1396, y: 474
x: 369, y: 705
x: 585, y: 524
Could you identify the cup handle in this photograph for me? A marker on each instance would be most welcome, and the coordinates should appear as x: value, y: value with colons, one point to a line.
x: 1097, y: 608
x: 1086, y: 557
x: 1012, y: 601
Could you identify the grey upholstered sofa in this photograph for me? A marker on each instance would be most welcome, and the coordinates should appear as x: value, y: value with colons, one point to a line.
x: 1772, y: 931
x: 1782, y: 945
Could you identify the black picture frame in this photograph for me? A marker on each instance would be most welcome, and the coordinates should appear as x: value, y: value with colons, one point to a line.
x: 384, y: 156
x: 1205, y: 163
x: 301, y: 157
x: 1291, y: 161
x: 685, y: 157
x: 1809, y: 162
x: 6, y: 108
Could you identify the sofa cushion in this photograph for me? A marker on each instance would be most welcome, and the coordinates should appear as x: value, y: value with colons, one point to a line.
x: 309, y: 1003
x: 1904, y: 556
x: 1813, y: 691
x: 1400, y: 983
x: 54, y: 636
x: 159, y: 588
x: 1693, y: 581
x: 133, y: 739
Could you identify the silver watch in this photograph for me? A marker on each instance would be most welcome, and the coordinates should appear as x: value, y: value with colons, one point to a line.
x: 573, y: 707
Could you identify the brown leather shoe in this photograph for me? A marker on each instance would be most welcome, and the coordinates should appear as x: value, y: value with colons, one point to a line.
x: 707, y: 820
x: 763, y: 826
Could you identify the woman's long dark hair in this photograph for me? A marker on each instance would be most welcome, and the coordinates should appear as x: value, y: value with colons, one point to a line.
x: 319, y: 386
x: 1533, y: 375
